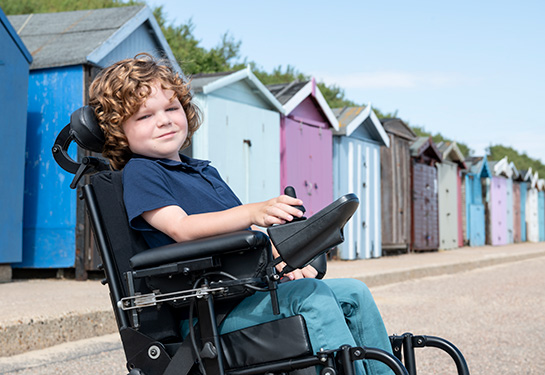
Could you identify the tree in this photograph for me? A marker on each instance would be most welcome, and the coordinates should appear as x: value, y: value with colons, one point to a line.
x: 195, y: 59
x: 12, y: 7
x: 521, y: 161
x: 438, y: 137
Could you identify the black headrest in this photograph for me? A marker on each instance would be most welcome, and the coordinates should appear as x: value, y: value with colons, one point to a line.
x: 85, y: 129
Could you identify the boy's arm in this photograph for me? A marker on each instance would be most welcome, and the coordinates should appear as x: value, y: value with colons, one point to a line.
x: 174, y: 221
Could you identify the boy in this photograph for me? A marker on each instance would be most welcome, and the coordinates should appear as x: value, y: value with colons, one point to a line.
x: 147, y: 116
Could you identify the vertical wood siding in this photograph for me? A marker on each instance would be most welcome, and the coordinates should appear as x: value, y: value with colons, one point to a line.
x: 516, y: 213
x: 395, y: 175
x: 541, y: 215
x: 523, y: 195
x: 356, y: 170
x: 498, y: 211
x: 425, y: 229
x: 448, y: 205
x: 509, y: 211
x: 532, y: 220
x: 13, y: 131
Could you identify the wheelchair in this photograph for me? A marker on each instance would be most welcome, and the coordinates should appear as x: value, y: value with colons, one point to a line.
x: 153, y: 290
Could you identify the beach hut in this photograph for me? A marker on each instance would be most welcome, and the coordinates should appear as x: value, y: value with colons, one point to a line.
x: 505, y: 169
x: 449, y: 179
x: 532, y: 217
x: 516, y: 178
x: 356, y: 169
x: 424, y: 185
x: 395, y: 176
x: 240, y: 132
x: 477, y: 172
x: 497, y: 207
x: 306, y: 143
x: 520, y: 189
x: 14, y: 68
x: 69, y: 49
x: 541, y: 208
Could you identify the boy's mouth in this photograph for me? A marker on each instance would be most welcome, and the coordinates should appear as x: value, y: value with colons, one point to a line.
x: 166, y: 134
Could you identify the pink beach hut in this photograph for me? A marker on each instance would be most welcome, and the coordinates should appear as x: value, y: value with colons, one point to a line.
x: 306, y: 143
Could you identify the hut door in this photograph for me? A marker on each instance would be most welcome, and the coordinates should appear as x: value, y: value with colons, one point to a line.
x: 532, y: 216
x: 509, y: 210
x: 476, y: 223
x: 522, y: 206
x: 308, y: 164
x: 448, y: 205
x: 541, y: 215
x: 516, y: 213
x: 498, y: 211
x: 425, y: 233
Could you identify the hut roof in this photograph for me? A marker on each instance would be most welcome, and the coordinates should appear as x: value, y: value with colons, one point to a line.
x: 451, y: 151
x: 502, y: 168
x: 208, y: 83
x: 293, y: 93
x: 351, y: 118
x: 478, y: 165
x: 424, y: 146
x: 525, y: 175
x: 398, y: 127
x: 84, y: 36
x: 515, y: 172
x: 13, y: 34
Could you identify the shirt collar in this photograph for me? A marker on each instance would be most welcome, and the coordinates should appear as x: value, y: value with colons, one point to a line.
x: 186, y: 162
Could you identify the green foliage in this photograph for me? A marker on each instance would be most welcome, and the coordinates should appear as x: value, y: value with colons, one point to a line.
x: 279, y: 75
x: 521, y: 161
x: 225, y: 56
x: 11, y: 7
x: 437, y: 138
x: 195, y: 59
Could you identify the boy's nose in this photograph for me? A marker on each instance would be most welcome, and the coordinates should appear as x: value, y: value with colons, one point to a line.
x: 163, y: 119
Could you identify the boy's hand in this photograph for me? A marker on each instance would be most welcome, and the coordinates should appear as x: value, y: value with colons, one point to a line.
x: 307, y: 272
x: 278, y: 210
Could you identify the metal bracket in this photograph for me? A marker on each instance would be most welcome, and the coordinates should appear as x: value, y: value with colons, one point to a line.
x: 152, y: 299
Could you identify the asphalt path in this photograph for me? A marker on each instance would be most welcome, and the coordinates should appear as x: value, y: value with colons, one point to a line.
x: 494, y: 315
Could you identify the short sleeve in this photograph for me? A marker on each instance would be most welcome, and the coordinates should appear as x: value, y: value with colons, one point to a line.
x: 144, y: 189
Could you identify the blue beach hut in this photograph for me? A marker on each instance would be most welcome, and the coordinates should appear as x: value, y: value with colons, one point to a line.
x: 69, y: 49
x: 477, y: 172
x: 240, y: 132
x: 14, y: 69
x: 532, y: 216
x: 541, y: 208
x: 356, y: 169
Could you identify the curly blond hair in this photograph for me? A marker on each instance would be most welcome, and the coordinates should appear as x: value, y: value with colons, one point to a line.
x: 118, y: 92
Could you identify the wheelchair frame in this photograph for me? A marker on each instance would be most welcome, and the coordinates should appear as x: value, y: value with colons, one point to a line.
x: 148, y: 356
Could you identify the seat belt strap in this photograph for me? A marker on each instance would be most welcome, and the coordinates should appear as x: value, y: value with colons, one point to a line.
x: 182, y: 361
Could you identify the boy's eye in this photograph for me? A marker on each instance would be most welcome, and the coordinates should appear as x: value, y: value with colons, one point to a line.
x: 173, y: 108
x: 143, y: 117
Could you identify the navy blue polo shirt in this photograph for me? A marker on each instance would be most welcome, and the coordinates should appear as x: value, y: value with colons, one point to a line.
x: 192, y: 184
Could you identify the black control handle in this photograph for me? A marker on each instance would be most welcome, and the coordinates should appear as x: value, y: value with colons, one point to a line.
x: 290, y: 192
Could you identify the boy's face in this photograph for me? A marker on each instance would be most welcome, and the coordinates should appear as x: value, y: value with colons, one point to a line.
x: 159, y: 128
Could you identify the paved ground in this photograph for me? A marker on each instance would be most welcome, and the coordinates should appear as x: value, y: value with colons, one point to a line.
x: 36, y: 314
x: 493, y: 314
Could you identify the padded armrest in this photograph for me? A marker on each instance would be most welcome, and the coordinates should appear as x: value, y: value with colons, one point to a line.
x: 236, y: 241
x: 299, y: 242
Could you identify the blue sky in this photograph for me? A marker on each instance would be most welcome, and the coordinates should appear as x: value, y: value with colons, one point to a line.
x: 472, y: 70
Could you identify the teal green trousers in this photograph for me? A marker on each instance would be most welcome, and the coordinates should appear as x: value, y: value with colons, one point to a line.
x: 336, y: 311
